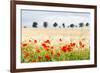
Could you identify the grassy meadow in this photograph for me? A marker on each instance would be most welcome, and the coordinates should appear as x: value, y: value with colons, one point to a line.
x: 49, y: 45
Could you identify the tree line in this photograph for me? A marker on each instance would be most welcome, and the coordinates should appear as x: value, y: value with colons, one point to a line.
x: 55, y: 24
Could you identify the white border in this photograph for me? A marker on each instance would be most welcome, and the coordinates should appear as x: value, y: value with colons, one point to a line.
x: 20, y: 65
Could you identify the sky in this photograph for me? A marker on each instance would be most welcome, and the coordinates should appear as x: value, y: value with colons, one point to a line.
x: 40, y: 16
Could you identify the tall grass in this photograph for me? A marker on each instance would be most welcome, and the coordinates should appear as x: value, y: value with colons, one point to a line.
x: 36, y: 51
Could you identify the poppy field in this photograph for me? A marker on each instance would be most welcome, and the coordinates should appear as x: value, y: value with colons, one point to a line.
x: 54, y: 48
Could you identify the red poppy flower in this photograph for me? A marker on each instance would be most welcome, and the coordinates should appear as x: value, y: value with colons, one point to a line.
x: 24, y: 44
x: 30, y: 41
x: 68, y: 45
x: 58, y: 54
x: 66, y: 48
x: 60, y: 40
x: 83, y: 46
x: 52, y: 52
x: 33, y: 60
x: 47, y: 41
x: 47, y: 57
x: 35, y: 41
x: 80, y: 43
x: 69, y: 49
x: 38, y: 50
x: 72, y: 44
x: 26, y: 55
x: 39, y: 57
x: 45, y: 46
x: 52, y: 47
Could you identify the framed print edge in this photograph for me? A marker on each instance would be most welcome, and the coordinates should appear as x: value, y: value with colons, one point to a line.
x: 95, y: 36
x: 13, y: 36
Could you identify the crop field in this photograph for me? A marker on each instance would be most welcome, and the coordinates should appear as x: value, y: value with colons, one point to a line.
x: 50, y: 45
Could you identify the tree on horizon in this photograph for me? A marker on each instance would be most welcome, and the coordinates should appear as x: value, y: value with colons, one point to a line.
x: 55, y: 24
x: 72, y: 25
x: 25, y: 27
x: 45, y: 24
x: 35, y: 24
x: 81, y: 24
x: 87, y: 24
x: 63, y: 25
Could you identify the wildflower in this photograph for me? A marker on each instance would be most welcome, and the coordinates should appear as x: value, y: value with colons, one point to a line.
x: 35, y: 41
x: 83, y: 46
x: 38, y: 51
x: 60, y: 40
x: 39, y: 57
x: 30, y: 41
x: 80, y: 43
x: 47, y: 41
x: 25, y: 44
x: 66, y: 48
x: 26, y: 55
x: 47, y: 57
x: 68, y: 45
x: 72, y: 44
x: 52, y: 52
x: 33, y: 60
x: 58, y: 54
x: 45, y: 46
x: 52, y: 47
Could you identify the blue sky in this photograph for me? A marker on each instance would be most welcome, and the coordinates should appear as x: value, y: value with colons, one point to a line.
x: 40, y: 16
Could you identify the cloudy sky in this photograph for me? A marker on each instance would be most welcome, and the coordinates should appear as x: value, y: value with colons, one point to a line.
x: 40, y: 16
